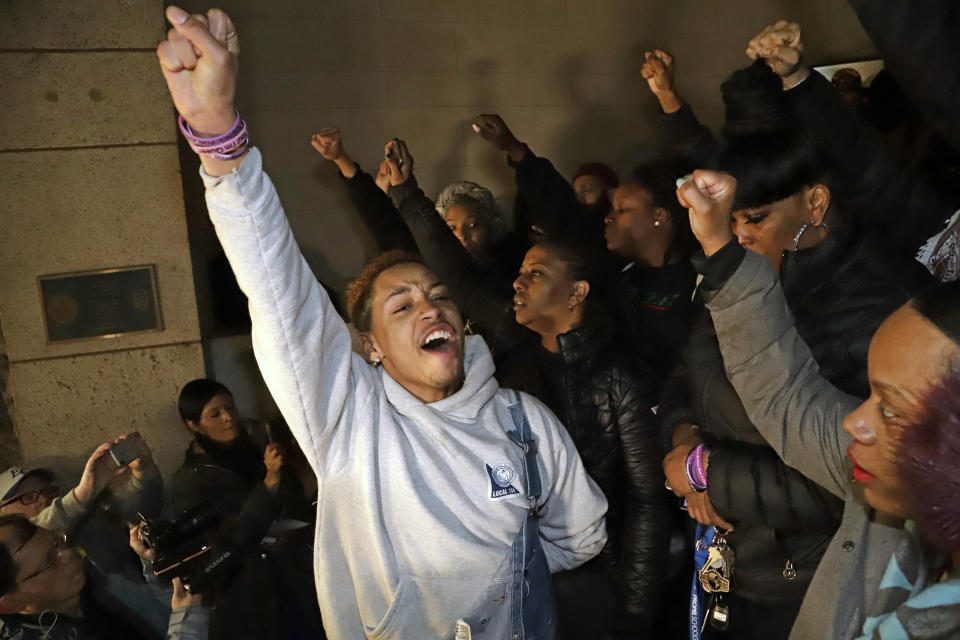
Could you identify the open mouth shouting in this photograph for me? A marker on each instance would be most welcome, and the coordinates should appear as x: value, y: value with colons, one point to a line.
x: 439, y: 339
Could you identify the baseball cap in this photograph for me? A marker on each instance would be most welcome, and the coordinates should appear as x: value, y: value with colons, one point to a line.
x: 12, y: 477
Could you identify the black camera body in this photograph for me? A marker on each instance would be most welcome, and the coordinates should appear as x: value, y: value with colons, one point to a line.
x: 187, y: 548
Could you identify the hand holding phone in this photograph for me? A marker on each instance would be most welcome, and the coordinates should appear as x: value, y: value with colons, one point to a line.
x: 127, y: 449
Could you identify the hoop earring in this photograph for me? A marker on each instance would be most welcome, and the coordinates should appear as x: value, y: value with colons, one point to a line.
x: 796, y: 238
x: 803, y: 228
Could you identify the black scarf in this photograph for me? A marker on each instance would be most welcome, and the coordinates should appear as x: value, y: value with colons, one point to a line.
x: 239, y: 455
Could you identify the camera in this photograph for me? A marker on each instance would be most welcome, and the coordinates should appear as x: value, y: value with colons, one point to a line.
x: 189, y: 548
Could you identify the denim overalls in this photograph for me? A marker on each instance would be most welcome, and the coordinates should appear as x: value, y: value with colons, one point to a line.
x: 523, y: 583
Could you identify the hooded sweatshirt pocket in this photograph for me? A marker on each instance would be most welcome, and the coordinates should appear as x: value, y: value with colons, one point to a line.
x: 428, y: 607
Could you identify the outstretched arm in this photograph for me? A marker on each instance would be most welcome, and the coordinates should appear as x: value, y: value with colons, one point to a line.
x: 552, y: 202
x: 688, y: 137
x: 368, y: 197
x: 301, y: 344
x: 480, y: 300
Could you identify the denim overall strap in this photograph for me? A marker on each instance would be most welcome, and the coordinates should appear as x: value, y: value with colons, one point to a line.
x: 533, y: 610
x: 524, y: 439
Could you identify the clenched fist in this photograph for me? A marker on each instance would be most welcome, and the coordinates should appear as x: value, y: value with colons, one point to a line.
x: 658, y: 71
x: 328, y: 143
x: 199, y: 63
x: 779, y: 45
x: 708, y: 196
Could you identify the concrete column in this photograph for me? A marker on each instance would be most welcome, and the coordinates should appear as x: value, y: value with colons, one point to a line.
x: 90, y: 177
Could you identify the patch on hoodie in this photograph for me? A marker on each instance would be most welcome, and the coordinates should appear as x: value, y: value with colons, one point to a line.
x: 501, y: 476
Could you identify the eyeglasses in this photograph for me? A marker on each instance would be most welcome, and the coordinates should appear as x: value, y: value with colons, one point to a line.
x: 30, y: 497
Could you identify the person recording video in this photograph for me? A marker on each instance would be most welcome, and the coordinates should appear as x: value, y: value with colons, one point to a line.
x: 238, y: 480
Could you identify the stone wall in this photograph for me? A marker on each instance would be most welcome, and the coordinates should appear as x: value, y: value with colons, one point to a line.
x: 565, y: 74
x: 90, y: 177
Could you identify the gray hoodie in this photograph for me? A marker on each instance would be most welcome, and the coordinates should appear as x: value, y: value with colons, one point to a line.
x: 418, y: 503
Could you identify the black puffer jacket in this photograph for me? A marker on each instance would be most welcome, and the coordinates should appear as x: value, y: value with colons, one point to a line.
x: 606, y: 409
x: 839, y: 291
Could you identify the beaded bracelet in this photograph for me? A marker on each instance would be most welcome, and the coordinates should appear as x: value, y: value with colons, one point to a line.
x: 229, y: 146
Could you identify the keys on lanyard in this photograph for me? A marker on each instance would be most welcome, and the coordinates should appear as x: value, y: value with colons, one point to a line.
x: 715, y: 577
x: 716, y: 574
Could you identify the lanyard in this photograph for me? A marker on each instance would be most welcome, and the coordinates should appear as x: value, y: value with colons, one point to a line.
x: 698, y: 596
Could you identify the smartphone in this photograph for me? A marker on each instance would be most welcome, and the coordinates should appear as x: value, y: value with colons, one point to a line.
x: 278, y: 431
x: 125, y: 452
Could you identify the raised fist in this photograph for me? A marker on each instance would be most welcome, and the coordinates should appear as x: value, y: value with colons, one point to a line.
x: 657, y: 70
x: 708, y: 196
x: 494, y: 130
x: 780, y: 46
x: 328, y: 143
x: 199, y: 63
x: 399, y: 161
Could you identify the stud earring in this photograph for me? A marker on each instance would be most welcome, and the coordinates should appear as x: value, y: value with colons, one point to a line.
x: 376, y: 361
x: 656, y: 223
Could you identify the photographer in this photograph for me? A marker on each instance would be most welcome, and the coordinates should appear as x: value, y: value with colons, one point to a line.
x: 94, y: 513
x: 49, y: 591
x: 245, y: 480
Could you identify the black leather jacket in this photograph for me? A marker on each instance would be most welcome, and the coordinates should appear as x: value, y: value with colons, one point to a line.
x: 606, y: 409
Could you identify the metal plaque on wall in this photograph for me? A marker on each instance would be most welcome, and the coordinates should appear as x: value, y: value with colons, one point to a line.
x: 100, y: 304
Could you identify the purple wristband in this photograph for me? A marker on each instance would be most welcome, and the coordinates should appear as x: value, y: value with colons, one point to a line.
x: 228, y: 146
x: 209, y: 142
x: 694, y: 468
x: 701, y: 471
